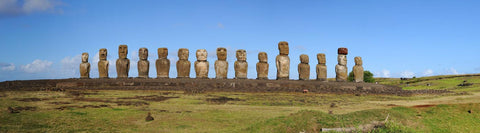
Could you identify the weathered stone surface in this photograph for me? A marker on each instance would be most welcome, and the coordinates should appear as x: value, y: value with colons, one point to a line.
x: 103, y: 63
x: 85, y: 66
x: 321, y: 67
x: 282, y: 61
x: 262, y: 66
x: 358, y: 70
x: 143, y: 65
x: 221, y: 65
x: 183, y: 65
x: 241, y: 65
x: 123, y: 63
x: 162, y: 63
x: 201, y: 65
x: 341, y: 68
x: 304, y: 68
x: 343, y: 51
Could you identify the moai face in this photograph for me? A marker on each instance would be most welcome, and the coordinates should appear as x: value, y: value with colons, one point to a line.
x: 103, y: 54
x: 122, y: 51
x: 283, y: 48
x: 222, y: 53
x: 84, y: 57
x: 358, y: 60
x: 321, y: 58
x: 241, y: 55
x: 143, y: 53
x: 183, y: 54
x: 342, y: 59
x: 262, y: 57
x: 162, y: 53
x: 304, y: 58
x: 202, y: 54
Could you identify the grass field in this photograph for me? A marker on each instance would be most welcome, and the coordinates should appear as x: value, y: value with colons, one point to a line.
x: 174, y: 111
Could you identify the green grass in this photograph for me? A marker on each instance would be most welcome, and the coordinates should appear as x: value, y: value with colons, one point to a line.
x: 447, y: 82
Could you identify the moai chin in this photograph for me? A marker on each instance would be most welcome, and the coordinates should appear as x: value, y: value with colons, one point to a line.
x: 183, y: 65
x: 262, y: 66
x: 123, y: 63
x: 283, y: 61
x: 85, y: 67
x: 103, y: 63
x: 201, y: 65
x: 358, y: 70
x: 321, y: 67
x: 221, y: 65
x: 304, y: 68
x: 241, y: 64
x: 162, y: 64
x: 341, y: 68
x: 143, y: 64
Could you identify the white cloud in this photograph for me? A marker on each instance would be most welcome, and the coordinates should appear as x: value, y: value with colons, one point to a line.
x: 384, y: 73
x: 428, y: 72
x: 21, y: 7
x: 36, y: 66
x: 407, y: 74
x: 70, y: 66
x: 8, y: 67
x: 451, y: 71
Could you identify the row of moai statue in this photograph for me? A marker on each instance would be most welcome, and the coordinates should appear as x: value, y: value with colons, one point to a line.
x: 183, y: 65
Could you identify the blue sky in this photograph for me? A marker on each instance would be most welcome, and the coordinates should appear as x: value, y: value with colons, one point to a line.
x: 404, y: 38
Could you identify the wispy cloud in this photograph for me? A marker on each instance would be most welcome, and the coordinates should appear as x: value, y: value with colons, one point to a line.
x: 407, y: 74
x: 428, y: 72
x: 36, y: 66
x: 7, y: 66
x: 10, y: 8
x: 220, y: 25
x: 384, y: 73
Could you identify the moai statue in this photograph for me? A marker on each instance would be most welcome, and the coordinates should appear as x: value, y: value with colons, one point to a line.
x: 321, y: 67
x: 162, y: 63
x: 84, y: 67
x: 241, y: 64
x: 304, y: 68
x: 283, y: 61
x: 262, y: 66
x: 143, y: 64
x: 183, y: 65
x: 123, y: 63
x: 221, y: 65
x: 358, y: 70
x: 103, y: 63
x: 201, y: 65
x: 341, y: 68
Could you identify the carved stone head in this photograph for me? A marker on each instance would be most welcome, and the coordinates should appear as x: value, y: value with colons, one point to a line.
x: 241, y: 55
x: 358, y: 61
x: 162, y: 53
x: 202, y: 54
x: 102, y: 54
x: 183, y: 54
x: 143, y: 53
x: 122, y: 51
x: 304, y: 58
x: 262, y: 57
x: 222, y: 53
x: 321, y: 58
x: 84, y: 57
x: 342, y: 59
x: 283, y: 48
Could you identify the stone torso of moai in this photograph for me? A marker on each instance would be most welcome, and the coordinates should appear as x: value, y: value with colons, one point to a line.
x: 321, y: 67
x: 221, y: 65
x: 241, y: 64
x: 123, y: 63
x: 283, y: 61
x: 103, y: 63
x: 143, y: 64
x: 341, y: 68
x: 162, y: 63
x: 85, y: 67
x: 304, y: 68
x: 358, y: 70
x: 183, y: 65
x: 262, y: 66
x: 201, y: 65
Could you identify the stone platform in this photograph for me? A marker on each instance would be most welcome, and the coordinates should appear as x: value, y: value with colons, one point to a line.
x: 202, y: 85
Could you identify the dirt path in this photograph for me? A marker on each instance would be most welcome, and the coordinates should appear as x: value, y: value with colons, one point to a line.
x: 474, y: 98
